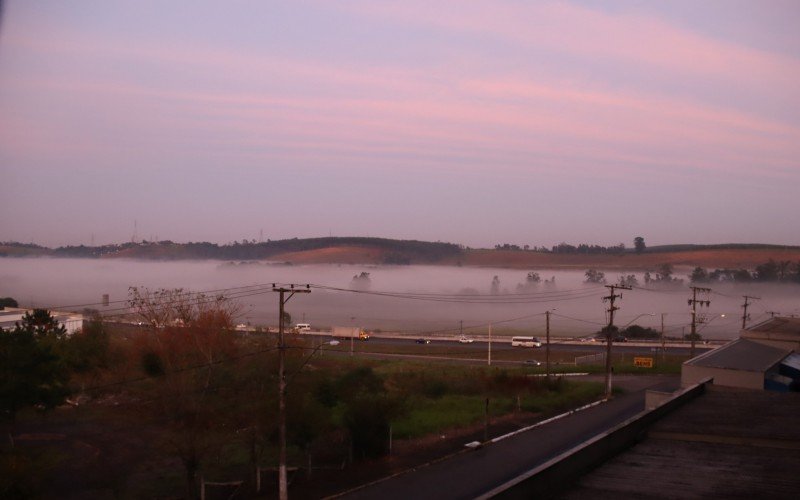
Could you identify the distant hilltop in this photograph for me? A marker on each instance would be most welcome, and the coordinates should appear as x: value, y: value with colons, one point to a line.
x: 355, y: 250
x: 362, y: 250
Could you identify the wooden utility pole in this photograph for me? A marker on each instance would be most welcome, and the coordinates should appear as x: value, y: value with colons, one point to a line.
x: 694, y: 303
x: 610, y: 330
x: 745, y: 317
x: 283, y: 493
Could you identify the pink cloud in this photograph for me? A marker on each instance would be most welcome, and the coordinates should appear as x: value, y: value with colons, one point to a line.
x: 633, y: 39
x: 512, y: 121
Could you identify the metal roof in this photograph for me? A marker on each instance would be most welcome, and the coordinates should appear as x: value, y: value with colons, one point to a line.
x: 778, y: 325
x: 742, y: 354
x: 727, y: 443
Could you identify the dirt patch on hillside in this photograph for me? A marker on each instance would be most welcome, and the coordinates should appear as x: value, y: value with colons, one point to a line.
x: 334, y: 255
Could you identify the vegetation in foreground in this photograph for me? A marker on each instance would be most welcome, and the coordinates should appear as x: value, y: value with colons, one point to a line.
x: 152, y: 409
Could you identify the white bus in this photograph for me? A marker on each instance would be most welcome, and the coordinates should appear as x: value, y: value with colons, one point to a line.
x: 525, y: 342
x: 302, y: 327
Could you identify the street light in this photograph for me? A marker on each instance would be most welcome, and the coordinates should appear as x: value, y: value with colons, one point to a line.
x: 316, y: 349
x: 705, y: 322
x: 547, y: 345
x: 637, y: 317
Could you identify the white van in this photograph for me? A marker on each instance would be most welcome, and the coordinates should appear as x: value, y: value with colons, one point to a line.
x: 302, y: 327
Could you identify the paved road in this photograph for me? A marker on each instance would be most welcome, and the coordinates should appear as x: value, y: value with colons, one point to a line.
x: 472, y: 473
x: 587, y: 347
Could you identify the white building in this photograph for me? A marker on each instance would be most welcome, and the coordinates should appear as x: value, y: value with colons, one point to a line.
x: 10, y: 316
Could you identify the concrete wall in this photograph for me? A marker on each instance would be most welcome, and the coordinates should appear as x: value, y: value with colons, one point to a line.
x: 691, y: 375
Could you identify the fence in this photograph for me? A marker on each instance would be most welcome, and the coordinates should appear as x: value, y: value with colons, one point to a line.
x: 591, y: 359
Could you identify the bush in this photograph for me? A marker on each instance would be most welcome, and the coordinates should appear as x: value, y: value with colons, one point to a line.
x: 152, y: 364
x: 8, y: 302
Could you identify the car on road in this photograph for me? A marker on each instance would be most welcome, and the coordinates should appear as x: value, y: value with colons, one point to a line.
x: 465, y: 340
x: 620, y: 338
x: 533, y: 362
x: 422, y: 341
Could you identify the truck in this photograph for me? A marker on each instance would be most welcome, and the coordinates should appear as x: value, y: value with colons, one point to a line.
x: 347, y: 332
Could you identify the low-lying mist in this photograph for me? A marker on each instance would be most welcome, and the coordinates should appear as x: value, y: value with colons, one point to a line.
x: 578, y: 306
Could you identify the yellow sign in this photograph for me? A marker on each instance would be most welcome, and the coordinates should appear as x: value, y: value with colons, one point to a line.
x: 643, y: 362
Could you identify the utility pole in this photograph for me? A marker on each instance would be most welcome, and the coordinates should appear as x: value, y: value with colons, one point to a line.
x: 694, y: 303
x: 547, y: 345
x: 352, y: 331
x: 283, y: 493
x: 745, y: 317
x: 610, y: 330
x: 461, y: 328
x: 772, y: 313
x: 663, y: 341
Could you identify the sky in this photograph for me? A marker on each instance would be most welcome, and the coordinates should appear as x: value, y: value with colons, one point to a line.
x: 478, y: 123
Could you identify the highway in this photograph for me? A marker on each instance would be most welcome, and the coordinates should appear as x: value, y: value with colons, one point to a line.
x: 480, y: 346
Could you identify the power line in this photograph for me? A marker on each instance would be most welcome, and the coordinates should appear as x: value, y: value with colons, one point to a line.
x: 471, y: 299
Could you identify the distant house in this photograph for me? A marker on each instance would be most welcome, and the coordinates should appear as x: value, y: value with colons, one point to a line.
x: 10, y: 316
x: 763, y: 358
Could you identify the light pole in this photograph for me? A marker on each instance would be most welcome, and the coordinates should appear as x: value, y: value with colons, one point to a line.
x: 489, y: 351
x: 547, y: 344
x: 629, y: 323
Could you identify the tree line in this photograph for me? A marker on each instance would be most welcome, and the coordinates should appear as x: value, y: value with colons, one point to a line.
x: 771, y: 271
x: 565, y: 248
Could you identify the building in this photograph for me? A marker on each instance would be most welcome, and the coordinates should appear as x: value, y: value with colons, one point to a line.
x: 778, y: 332
x: 763, y: 358
x: 10, y: 316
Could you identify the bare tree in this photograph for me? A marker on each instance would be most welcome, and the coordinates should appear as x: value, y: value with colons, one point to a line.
x: 191, y: 335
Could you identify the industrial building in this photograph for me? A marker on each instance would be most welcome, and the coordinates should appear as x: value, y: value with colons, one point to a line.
x: 10, y: 316
x: 763, y: 358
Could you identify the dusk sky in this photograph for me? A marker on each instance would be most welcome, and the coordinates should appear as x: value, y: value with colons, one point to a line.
x: 477, y: 123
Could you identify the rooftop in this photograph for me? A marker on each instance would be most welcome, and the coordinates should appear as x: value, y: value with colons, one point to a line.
x: 727, y: 443
x: 742, y: 354
x: 778, y: 325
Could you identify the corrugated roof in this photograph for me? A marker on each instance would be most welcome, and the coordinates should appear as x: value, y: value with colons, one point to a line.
x: 727, y: 443
x: 742, y: 354
x: 778, y: 325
